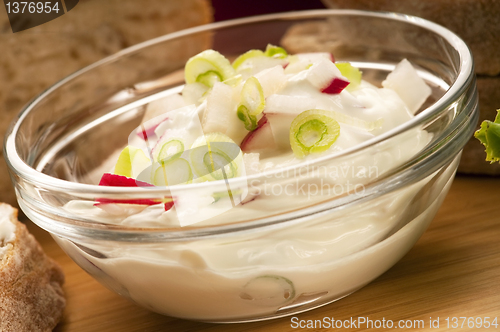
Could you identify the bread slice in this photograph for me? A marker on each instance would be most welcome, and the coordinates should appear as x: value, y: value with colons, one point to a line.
x: 31, y: 294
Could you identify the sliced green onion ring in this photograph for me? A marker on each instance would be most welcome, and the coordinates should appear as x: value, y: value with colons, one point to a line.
x: 208, y: 67
x: 215, y: 157
x: 313, y: 131
x: 172, y: 172
x: 170, y: 150
x: 245, y: 56
x: 249, y: 120
x: 273, y: 51
x: 252, y: 103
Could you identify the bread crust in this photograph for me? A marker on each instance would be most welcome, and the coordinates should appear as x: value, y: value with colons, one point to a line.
x: 31, y: 294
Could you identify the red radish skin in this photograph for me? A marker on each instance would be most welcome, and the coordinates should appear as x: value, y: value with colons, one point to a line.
x: 147, y: 132
x: 259, y: 139
x: 335, y: 87
x: 114, y: 180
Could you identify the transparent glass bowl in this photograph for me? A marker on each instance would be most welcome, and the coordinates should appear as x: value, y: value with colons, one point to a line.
x: 279, y: 252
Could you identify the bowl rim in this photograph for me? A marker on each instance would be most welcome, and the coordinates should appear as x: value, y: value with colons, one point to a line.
x: 37, y: 178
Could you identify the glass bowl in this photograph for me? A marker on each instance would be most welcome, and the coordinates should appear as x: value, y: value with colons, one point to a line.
x: 303, y: 236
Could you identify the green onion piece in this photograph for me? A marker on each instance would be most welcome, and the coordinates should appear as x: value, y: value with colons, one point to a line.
x: 170, y: 150
x: 252, y: 96
x: 215, y: 157
x: 249, y: 120
x: 252, y: 103
x: 245, y: 56
x: 275, y: 52
x: 313, y: 131
x: 130, y: 161
x: 353, y: 74
x: 269, y: 290
x: 172, y: 172
x: 489, y: 136
x: 208, y: 67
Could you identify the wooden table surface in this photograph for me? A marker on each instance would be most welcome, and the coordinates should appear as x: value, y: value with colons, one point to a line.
x: 453, y: 271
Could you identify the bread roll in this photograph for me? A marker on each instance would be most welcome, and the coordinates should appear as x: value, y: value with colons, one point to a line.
x: 31, y: 295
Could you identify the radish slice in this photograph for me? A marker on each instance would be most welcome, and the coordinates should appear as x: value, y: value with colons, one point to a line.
x: 408, y: 85
x: 335, y: 87
x: 219, y: 114
x: 273, y: 80
x: 252, y: 163
x: 208, y: 67
x: 162, y: 106
x: 114, y: 180
x: 158, y: 110
x: 193, y: 93
x: 350, y: 72
x: 326, y: 77
x: 280, y: 128
x: 114, y: 205
x: 260, y: 139
x: 288, y: 104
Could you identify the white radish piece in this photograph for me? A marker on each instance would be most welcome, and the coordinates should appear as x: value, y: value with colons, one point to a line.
x: 261, y: 139
x: 288, y: 104
x: 272, y: 80
x: 220, y: 109
x: 410, y: 87
x: 163, y: 105
x: 326, y: 77
x: 252, y: 163
x: 280, y: 128
x: 193, y: 93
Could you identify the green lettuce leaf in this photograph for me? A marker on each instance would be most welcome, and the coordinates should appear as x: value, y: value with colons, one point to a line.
x: 489, y: 135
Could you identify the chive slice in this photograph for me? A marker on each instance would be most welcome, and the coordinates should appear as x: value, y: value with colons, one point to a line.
x: 252, y: 103
x: 313, y: 131
x: 170, y: 150
x: 172, y: 172
x: 249, y: 120
x: 208, y: 67
x: 245, y: 56
x: 275, y: 52
x: 215, y: 157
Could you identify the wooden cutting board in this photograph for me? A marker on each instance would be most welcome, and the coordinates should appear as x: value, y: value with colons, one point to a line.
x: 453, y: 271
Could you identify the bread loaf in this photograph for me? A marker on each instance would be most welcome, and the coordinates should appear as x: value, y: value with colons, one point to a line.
x: 34, y: 59
x: 31, y: 295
